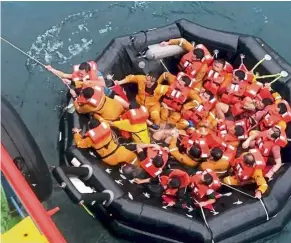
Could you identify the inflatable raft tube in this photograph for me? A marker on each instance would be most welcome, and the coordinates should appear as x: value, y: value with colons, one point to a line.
x: 135, y: 213
x: 22, y: 148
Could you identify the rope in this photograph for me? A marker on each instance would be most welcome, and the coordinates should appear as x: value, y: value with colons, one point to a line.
x: 238, y: 190
x: 31, y: 58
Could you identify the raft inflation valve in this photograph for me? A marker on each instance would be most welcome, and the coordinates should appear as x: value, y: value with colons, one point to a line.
x: 141, y: 64
x: 215, y: 55
x: 284, y: 74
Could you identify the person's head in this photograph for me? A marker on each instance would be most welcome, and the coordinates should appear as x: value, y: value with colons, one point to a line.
x: 184, y: 81
x: 238, y: 76
x: 216, y: 153
x: 150, y: 79
x: 87, y: 92
x: 282, y: 108
x: 207, y: 179
x: 134, y: 105
x: 131, y: 171
x: 274, y: 133
x: 261, y: 104
x: 237, y: 131
x: 198, y: 54
x: 194, y: 151
x: 206, y: 96
x: 158, y: 161
x: 218, y: 65
x: 174, y: 182
x: 93, y: 123
x: 249, y: 159
x: 84, y: 69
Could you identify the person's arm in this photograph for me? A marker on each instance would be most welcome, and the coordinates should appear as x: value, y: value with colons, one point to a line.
x: 58, y: 73
x: 201, y: 73
x: 131, y: 79
x: 261, y: 183
x: 252, y: 136
x: 164, y: 76
x: 211, y: 198
x: 182, y: 158
x: 193, y: 104
x: 276, y: 152
x: 82, y: 142
x: 179, y: 42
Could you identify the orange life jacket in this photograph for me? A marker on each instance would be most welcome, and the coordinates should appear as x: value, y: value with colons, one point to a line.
x: 136, y: 116
x: 200, y: 112
x: 96, y: 100
x: 253, y: 89
x: 249, y: 76
x: 92, y: 75
x: 244, y: 172
x: 229, y: 153
x: 184, y: 177
x: 190, y: 66
x: 287, y: 115
x: 147, y: 164
x: 200, y: 190
x: 213, y: 80
x: 176, y: 96
x: 236, y: 94
x: 98, y: 134
x: 223, y: 129
x: 228, y: 67
x: 188, y: 142
x: 271, y: 118
x: 265, y: 144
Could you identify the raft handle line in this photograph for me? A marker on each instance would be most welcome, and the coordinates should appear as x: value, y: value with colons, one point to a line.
x: 161, y: 61
x: 233, y: 188
x: 264, y: 206
x: 32, y: 58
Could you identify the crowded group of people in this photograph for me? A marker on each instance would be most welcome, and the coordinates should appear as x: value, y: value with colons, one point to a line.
x: 210, y: 125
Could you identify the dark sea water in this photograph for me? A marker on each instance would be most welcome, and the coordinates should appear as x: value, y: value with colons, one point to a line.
x: 64, y: 33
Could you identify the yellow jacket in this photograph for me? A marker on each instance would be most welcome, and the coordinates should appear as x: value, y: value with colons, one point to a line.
x: 142, y: 98
x: 182, y: 158
x: 139, y: 132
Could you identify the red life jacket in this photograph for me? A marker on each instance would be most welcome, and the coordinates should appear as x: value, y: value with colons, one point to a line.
x: 99, y: 133
x: 237, y: 93
x: 287, y: 115
x: 244, y: 172
x: 265, y: 93
x: 147, y: 164
x: 271, y: 118
x: 200, y: 112
x: 213, y: 80
x: 237, y: 109
x: 265, y: 144
x: 176, y: 96
x: 136, y: 116
x: 249, y: 76
x: 96, y: 100
x: 253, y: 89
x: 229, y: 154
x: 200, y: 190
x: 92, y: 75
x: 184, y: 177
x: 228, y: 67
x: 188, y: 142
x: 223, y: 129
x: 190, y: 66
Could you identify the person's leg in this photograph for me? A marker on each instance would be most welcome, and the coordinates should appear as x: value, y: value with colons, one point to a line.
x: 221, y: 110
x: 155, y: 113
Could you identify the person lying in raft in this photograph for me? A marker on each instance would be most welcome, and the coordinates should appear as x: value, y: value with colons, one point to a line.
x: 269, y: 143
x: 195, y: 62
x: 93, y: 100
x: 86, y: 72
x: 149, y: 93
x: 99, y: 137
x: 133, y: 123
x: 203, y: 188
x: 153, y: 160
x: 246, y: 169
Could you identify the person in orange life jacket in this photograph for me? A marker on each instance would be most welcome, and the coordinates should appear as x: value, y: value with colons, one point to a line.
x: 99, y: 137
x: 173, y: 101
x: 195, y: 62
x: 232, y: 132
x: 216, y: 77
x: 86, y: 71
x: 269, y: 142
x: 246, y: 169
x: 93, y: 100
x: 219, y: 159
x: 133, y: 123
x: 200, y: 108
x: 203, y: 186
x: 234, y: 91
x: 149, y: 93
x: 246, y: 107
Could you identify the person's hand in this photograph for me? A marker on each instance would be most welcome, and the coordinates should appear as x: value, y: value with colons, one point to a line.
x: 268, y: 85
x: 166, y: 149
x: 76, y: 130
x: 73, y: 93
x: 164, y: 43
x: 171, y: 204
x: 66, y: 81
x: 116, y: 82
x: 258, y: 195
x: 269, y: 175
x: 138, y: 181
x: 49, y: 67
x: 202, y: 204
x: 245, y: 144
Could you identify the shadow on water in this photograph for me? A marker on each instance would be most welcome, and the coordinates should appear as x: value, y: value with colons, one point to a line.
x: 62, y: 33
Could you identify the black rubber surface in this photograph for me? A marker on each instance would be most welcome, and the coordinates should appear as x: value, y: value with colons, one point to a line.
x: 240, y: 218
